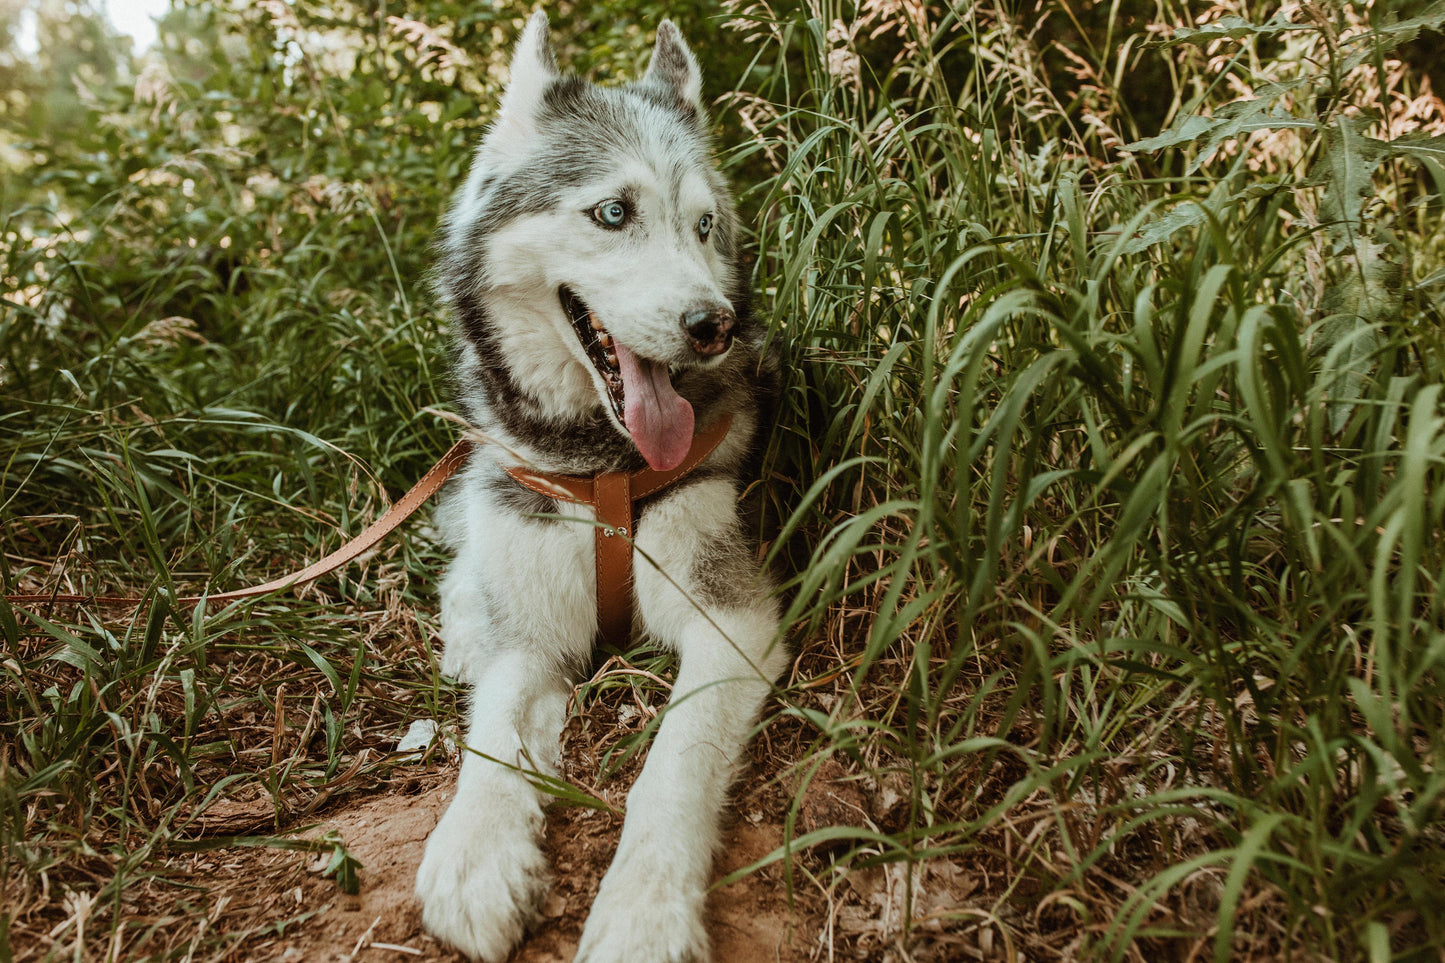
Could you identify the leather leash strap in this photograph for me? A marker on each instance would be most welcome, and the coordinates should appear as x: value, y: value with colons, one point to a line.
x: 373, y: 533
x: 613, y: 495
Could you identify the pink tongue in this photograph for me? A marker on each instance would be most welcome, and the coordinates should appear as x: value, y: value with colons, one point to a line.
x: 657, y: 417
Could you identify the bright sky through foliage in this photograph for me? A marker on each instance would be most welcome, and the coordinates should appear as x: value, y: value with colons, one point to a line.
x: 136, y: 18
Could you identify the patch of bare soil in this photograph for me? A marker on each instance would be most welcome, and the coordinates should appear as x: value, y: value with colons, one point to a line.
x: 749, y: 921
x: 245, y: 899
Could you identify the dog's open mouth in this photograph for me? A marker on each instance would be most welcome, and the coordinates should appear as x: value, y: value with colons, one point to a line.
x: 601, y: 349
x: 639, y: 389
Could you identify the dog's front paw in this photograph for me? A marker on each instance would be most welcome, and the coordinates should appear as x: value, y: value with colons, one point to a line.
x: 645, y: 917
x: 481, y: 884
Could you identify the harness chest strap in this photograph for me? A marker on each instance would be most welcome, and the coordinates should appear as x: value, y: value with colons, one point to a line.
x: 613, y: 495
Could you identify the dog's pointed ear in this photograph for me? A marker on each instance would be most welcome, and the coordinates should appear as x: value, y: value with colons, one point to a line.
x: 673, y: 69
x: 532, y: 72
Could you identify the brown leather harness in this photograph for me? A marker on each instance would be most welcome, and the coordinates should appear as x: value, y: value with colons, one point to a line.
x: 613, y: 495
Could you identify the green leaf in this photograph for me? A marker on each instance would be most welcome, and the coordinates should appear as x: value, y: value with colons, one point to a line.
x: 343, y: 865
x: 1350, y: 159
x: 1384, y: 37
x: 1233, y: 120
x: 1180, y: 218
x: 1418, y: 146
x: 1185, y: 130
x: 1232, y: 28
x: 1251, y: 850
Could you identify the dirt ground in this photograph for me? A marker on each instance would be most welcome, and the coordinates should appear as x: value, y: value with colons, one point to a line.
x: 236, y: 886
x: 241, y: 895
x: 749, y: 920
x: 311, y: 919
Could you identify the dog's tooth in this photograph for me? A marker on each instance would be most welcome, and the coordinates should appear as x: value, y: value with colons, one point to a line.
x: 604, y: 339
x: 612, y: 358
x: 593, y: 320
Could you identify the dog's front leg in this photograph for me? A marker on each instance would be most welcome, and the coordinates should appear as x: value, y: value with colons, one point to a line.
x: 512, y: 618
x: 483, y: 876
x: 649, y: 908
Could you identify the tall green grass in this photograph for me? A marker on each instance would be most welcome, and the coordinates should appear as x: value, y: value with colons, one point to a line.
x: 1136, y: 475
x: 1113, y: 411
x: 216, y: 353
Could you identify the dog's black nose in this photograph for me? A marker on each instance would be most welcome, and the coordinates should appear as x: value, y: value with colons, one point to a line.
x: 710, y: 329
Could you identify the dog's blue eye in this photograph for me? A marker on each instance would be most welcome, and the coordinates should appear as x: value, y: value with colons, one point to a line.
x: 610, y: 213
x: 704, y: 226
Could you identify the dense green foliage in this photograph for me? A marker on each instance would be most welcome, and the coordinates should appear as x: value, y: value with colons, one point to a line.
x: 1152, y: 459
x: 1116, y: 353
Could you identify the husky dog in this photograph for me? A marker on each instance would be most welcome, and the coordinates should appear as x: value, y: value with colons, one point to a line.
x: 590, y: 266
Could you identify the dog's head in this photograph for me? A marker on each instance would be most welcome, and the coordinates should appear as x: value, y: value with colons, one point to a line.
x: 598, y: 215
